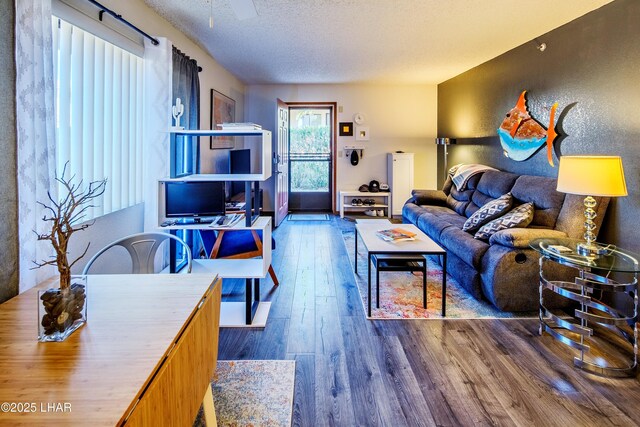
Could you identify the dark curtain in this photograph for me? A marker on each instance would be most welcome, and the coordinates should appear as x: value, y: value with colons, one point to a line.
x: 185, y: 150
x: 186, y: 86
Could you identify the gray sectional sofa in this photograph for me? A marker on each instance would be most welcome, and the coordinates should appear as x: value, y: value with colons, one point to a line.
x: 504, y: 270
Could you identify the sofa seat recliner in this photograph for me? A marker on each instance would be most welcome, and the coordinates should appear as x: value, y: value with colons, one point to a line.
x: 504, y: 270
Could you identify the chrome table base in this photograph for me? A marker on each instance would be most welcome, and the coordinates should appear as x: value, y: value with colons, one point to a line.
x: 577, y: 332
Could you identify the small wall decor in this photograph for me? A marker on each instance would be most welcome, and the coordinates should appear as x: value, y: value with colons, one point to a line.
x: 177, y: 111
x: 521, y: 136
x: 223, y: 110
x: 362, y: 133
x: 346, y: 129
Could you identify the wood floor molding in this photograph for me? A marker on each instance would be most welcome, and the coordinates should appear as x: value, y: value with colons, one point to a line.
x: 355, y: 372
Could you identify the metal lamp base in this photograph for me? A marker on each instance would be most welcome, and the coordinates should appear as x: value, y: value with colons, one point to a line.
x: 589, y: 249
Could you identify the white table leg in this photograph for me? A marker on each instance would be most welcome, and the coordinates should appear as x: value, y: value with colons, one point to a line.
x: 209, y: 409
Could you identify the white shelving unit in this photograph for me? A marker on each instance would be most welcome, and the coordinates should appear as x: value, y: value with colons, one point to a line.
x: 254, y: 268
x: 252, y: 312
x: 265, y: 146
x: 382, y: 201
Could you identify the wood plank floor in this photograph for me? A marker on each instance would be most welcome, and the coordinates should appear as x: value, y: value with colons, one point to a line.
x: 354, y: 372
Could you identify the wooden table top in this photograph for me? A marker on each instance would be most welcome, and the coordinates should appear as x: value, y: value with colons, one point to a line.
x: 101, y: 369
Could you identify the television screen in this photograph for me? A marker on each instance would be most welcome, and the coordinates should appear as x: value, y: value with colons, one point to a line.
x: 239, y: 162
x: 194, y: 199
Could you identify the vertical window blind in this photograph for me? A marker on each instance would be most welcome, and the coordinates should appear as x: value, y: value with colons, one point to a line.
x: 99, y: 115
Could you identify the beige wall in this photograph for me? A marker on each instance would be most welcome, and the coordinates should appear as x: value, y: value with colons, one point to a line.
x: 399, y: 117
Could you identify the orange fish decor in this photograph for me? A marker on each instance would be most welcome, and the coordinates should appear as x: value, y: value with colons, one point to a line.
x: 521, y: 136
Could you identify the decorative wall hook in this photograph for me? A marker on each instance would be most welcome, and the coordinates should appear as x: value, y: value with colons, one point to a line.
x: 348, y: 149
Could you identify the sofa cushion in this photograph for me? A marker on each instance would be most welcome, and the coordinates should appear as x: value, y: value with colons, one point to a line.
x: 446, y: 214
x: 453, y: 219
x: 411, y: 212
x: 432, y: 225
x: 520, y: 238
x: 520, y: 216
x: 492, y: 185
x: 490, y: 211
x: 463, y: 245
x: 428, y: 197
x: 540, y: 191
x: 459, y: 200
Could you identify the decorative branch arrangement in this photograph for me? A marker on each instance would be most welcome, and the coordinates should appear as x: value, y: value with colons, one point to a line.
x: 64, y: 216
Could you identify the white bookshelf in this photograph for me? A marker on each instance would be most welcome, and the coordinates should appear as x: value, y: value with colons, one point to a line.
x: 250, y: 269
x: 255, y: 268
x: 263, y: 144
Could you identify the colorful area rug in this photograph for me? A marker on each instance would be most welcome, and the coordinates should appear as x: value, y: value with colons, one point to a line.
x: 308, y: 217
x: 253, y: 393
x: 401, y: 293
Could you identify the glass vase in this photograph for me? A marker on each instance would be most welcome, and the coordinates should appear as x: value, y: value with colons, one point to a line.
x: 62, y: 311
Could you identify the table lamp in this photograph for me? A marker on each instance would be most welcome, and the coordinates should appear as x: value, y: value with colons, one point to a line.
x: 591, y: 176
x: 445, y: 142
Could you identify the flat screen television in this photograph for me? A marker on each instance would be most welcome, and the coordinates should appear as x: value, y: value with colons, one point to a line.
x: 239, y: 162
x: 194, y: 199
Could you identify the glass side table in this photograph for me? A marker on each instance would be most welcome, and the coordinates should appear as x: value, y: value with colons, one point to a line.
x: 614, y: 327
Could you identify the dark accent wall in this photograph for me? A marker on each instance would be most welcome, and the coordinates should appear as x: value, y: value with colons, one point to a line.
x: 591, y: 67
x: 8, y: 186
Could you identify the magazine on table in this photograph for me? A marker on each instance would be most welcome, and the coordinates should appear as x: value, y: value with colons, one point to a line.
x: 396, y: 235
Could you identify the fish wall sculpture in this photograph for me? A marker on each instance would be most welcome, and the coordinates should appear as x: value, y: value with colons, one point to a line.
x: 521, y: 136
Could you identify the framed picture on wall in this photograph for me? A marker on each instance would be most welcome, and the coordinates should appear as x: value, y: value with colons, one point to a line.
x: 223, y: 110
x: 362, y: 133
x: 346, y: 129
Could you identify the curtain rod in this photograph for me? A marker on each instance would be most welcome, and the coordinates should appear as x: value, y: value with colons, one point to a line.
x: 121, y: 19
x: 188, y: 57
x: 103, y: 9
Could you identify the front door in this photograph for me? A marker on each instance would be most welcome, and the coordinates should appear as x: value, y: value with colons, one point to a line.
x: 310, y: 157
x: 281, y: 163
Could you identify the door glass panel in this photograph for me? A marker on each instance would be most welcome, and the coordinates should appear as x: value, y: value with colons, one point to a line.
x: 309, y: 175
x: 310, y: 149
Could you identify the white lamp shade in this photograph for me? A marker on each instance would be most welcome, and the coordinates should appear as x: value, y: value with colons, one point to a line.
x: 592, y: 176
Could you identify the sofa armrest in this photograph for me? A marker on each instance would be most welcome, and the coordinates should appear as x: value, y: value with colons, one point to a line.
x: 520, y: 238
x: 429, y: 197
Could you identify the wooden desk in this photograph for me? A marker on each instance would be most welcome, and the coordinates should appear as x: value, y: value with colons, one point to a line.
x: 145, y: 356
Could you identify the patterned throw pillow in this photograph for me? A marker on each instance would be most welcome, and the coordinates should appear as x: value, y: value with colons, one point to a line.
x: 520, y: 216
x: 490, y: 210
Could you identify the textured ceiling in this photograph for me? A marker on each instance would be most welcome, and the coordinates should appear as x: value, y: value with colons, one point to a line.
x: 347, y: 41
